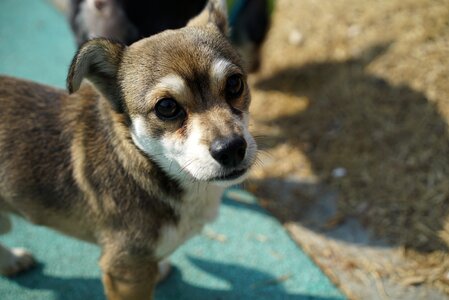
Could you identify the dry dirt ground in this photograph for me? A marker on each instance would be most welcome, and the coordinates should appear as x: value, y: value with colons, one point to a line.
x: 351, y: 109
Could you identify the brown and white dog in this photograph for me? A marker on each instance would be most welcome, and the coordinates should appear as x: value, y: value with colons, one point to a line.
x: 136, y: 158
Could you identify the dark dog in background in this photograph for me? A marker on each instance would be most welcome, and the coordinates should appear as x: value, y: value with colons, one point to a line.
x: 130, y: 20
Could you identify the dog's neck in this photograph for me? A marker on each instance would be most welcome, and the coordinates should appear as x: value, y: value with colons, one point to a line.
x: 141, y: 167
x: 102, y: 139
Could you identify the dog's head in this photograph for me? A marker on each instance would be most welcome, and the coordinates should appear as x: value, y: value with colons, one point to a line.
x: 185, y: 93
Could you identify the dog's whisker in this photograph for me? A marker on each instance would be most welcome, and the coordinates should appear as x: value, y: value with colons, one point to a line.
x: 262, y: 152
x: 169, y: 167
x: 187, y: 164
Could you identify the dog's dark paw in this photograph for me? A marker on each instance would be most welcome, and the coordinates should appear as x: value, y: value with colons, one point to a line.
x: 164, y: 270
x: 17, y: 261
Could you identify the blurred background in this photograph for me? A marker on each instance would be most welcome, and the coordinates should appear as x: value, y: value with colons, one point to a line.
x: 351, y: 110
x: 352, y: 105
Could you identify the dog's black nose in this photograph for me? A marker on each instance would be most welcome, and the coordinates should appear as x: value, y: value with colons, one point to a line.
x: 228, y: 151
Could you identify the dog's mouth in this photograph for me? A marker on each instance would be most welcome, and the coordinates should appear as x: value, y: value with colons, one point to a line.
x: 230, y: 176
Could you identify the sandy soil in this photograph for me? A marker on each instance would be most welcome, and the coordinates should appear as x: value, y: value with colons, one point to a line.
x: 353, y: 98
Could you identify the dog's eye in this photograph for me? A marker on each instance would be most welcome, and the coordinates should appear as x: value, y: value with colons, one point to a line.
x: 234, y: 86
x: 168, y: 109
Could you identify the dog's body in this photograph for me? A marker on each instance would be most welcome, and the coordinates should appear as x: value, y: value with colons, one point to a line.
x: 136, y: 162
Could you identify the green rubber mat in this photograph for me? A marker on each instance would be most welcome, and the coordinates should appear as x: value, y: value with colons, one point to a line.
x: 245, y: 254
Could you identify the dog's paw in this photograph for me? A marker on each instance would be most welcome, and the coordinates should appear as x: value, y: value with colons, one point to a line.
x: 164, y: 270
x: 17, y: 261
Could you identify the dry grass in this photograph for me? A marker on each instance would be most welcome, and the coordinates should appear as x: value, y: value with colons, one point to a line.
x: 362, y: 86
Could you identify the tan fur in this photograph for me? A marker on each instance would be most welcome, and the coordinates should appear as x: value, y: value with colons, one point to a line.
x: 69, y: 161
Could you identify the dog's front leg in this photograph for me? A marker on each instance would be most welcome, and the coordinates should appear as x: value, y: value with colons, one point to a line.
x: 125, y: 278
x: 123, y: 289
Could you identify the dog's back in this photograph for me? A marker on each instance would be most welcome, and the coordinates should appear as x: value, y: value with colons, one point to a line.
x: 29, y: 131
x: 35, y: 165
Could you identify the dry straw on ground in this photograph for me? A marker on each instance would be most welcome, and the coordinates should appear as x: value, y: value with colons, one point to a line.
x: 354, y: 95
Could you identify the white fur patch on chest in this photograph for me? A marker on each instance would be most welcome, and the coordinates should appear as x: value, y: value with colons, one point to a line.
x: 199, y: 206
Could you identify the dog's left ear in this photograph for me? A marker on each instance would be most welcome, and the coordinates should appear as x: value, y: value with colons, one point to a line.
x: 98, y: 61
x: 215, y: 12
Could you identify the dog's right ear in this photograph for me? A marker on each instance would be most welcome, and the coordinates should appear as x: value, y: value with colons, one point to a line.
x: 215, y: 12
x: 98, y: 61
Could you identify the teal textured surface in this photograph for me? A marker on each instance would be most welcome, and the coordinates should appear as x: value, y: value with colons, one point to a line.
x: 245, y: 254
x: 35, y: 41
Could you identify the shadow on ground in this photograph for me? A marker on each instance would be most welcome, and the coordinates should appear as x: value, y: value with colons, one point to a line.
x: 63, y: 288
x: 243, y: 282
x: 390, y: 139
